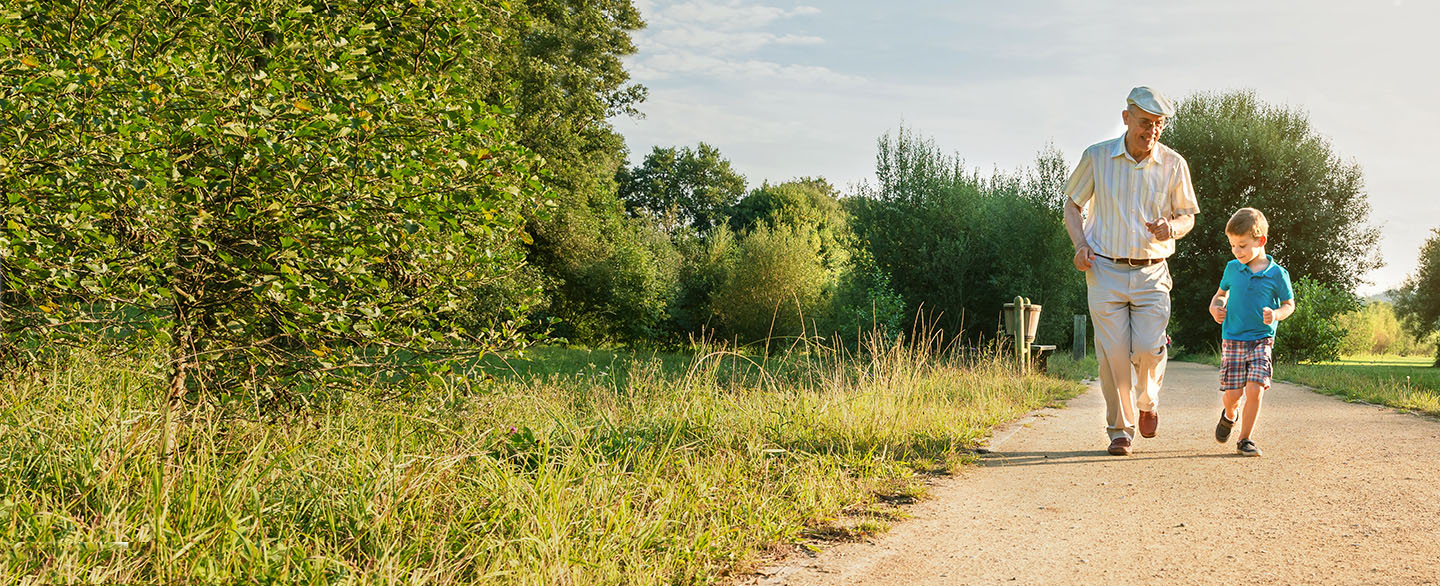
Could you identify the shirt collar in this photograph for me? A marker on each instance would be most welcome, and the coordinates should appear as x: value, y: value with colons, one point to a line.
x: 1268, y: 267
x: 1118, y: 150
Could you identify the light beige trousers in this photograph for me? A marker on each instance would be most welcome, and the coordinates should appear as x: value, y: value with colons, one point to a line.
x: 1131, y: 309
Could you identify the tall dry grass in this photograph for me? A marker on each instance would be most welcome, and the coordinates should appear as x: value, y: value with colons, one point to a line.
x: 648, y: 470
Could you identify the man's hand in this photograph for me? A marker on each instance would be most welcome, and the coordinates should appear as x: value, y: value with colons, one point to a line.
x: 1084, y: 257
x: 1160, y: 229
x: 1217, y: 311
x: 1268, y: 314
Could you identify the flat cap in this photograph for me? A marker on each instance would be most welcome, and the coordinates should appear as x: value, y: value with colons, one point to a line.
x: 1151, y: 101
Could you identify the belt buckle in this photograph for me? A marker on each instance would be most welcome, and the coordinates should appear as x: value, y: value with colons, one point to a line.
x: 1137, y: 262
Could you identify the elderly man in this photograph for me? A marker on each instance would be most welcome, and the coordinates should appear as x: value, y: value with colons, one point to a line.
x: 1139, y: 201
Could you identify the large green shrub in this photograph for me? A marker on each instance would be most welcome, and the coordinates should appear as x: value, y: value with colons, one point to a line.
x: 1375, y: 329
x: 1246, y: 153
x: 801, y: 203
x: 706, y: 265
x: 609, y: 277
x: 957, y: 246
x: 865, y: 302
x: 1314, y: 333
x: 289, y: 195
x: 777, y: 286
x: 713, y: 259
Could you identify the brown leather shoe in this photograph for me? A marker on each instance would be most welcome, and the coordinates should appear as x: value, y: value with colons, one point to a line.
x: 1149, y: 420
x: 1120, y: 446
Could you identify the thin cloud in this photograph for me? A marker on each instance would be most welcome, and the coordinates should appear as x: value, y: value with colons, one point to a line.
x: 733, y: 15
x: 683, y: 64
x: 718, y: 42
x: 705, y: 41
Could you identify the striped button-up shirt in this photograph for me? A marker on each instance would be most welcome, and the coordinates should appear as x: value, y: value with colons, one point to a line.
x: 1123, y: 194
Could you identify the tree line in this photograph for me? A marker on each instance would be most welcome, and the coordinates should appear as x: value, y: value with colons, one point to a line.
x: 289, y: 197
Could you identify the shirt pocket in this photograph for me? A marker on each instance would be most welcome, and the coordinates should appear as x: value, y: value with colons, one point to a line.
x: 1157, y: 195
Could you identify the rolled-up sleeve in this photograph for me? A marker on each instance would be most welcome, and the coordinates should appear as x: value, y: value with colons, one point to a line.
x: 1081, y: 186
x: 1182, y: 195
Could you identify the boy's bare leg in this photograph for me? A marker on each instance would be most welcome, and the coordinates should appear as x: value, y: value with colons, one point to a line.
x: 1253, y: 394
x: 1230, y: 399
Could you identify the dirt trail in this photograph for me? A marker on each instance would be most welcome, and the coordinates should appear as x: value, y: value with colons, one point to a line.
x: 1345, y: 494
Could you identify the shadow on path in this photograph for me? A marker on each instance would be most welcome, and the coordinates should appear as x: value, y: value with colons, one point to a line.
x: 996, y: 458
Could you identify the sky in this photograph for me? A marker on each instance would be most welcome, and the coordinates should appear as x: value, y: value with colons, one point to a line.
x: 788, y: 89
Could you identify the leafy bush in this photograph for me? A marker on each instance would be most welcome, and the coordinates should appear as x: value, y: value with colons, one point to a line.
x: 777, y: 285
x: 865, y: 302
x: 713, y: 259
x: 1244, y: 152
x: 288, y: 196
x: 958, y: 246
x: 612, y: 277
x: 1314, y: 333
x: 707, y: 263
x: 1375, y: 329
x: 801, y: 203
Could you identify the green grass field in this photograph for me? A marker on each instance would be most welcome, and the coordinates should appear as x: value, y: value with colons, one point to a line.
x: 1408, y: 383
x: 1402, y: 382
x: 561, y: 467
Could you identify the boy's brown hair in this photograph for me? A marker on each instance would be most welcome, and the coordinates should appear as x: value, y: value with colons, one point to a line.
x: 1248, y: 222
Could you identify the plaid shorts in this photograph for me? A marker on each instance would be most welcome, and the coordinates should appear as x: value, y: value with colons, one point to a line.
x: 1244, y: 361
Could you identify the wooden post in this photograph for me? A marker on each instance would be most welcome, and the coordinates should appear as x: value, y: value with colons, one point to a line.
x: 1077, y: 347
x: 1022, y: 346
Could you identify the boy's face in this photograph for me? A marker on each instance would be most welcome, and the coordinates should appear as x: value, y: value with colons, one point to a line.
x: 1246, y: 248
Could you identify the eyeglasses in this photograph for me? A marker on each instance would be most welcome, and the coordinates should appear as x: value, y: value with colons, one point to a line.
x: 1148, y: 125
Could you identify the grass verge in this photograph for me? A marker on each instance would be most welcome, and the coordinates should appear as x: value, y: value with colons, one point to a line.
x: 1402, y: 382
x: 565, y: 467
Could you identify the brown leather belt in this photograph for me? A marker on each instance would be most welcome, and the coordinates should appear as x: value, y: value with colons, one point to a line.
x: 1134, y: 262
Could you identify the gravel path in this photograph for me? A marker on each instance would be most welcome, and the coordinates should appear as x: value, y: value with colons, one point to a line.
x: 1345, y: 494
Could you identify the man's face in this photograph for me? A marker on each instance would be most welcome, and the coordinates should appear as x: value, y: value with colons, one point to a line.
x: 1142, y: 128
x: 1246, y: 248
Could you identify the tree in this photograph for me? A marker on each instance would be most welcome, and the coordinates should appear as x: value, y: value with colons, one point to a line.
x: 801, y: 202
x: 558, y: 65
x: 1418, y: 299
x: 617, y: 290
x: 682, y: 187
x: 1315, y: 332
x: 803, y: 206
x: 776, y: 286
x: 1376, y: 329
x: 292, y: 197
x: 810, y: 203
x: 1245, y: 153
x: 959, y: 246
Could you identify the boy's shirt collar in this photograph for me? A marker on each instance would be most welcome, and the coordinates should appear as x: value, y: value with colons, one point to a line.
x: 1270, y: 265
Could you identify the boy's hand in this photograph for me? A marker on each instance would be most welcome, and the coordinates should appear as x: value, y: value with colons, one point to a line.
x: 1269, y: 315
x: 1218, y: 312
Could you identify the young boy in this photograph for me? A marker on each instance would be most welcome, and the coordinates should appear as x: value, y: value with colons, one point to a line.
x: 1254, y: 294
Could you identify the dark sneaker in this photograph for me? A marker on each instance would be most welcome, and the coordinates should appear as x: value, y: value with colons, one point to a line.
x: 1120, y: 446
x: 1222, y: 429
x: 1247, y: 448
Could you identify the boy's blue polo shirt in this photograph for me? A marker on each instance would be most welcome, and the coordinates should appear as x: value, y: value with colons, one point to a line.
x: 1250, y: 292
